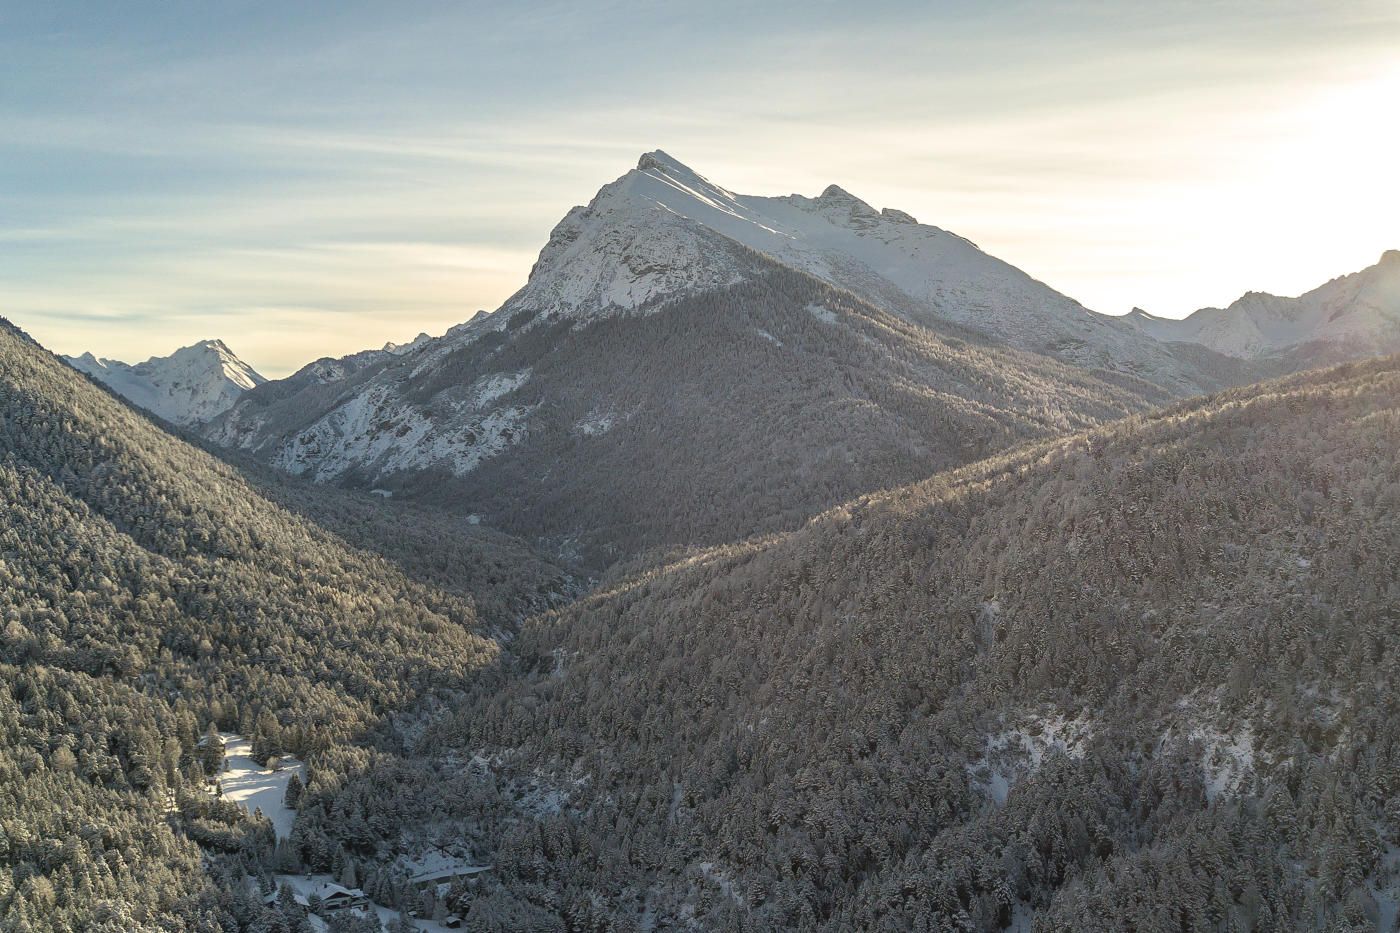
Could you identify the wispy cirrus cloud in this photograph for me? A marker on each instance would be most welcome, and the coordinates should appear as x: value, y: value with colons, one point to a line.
x: 168, y: 174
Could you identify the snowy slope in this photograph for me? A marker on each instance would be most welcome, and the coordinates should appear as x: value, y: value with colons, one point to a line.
x: 1357, y: 314
x: 189, y: 386
x: 718, y: 414
x: 811, y: 347
x: 662, y: 230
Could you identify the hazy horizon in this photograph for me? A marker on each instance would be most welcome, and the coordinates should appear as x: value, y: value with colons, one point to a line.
x: 321, y: 182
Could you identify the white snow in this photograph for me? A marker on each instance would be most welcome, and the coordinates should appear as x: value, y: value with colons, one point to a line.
x: 723, y: 881
x: 434, y: 865
x: 489, y: 388
x: 373, y: 429
x: 1227, y: 759
x: 254, y: 787
x: 1361, y: 309
x: 189, y: 386
x: 596, y: 423
x: 1386, y: 888
x: 1016, y: 753
x: 662, y: 231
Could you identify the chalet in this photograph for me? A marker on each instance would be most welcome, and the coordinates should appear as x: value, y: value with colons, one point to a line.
x: 335, y: 898
x: 325, y: 898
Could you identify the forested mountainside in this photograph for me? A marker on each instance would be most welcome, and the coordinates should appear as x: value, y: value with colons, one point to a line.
x: 147, y: 590
x: 1352, y: 316
x: 743, y: 409
x: 505, y: 579
x: 1139, y: 678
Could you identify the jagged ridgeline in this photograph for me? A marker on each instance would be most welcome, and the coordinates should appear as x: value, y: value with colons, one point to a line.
x: 147, y: 589
x: 1140, y: 678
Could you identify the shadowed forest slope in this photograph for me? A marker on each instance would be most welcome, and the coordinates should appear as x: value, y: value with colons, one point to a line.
x: 1137, y: 678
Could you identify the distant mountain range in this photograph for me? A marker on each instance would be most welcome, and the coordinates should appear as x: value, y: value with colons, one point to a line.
x: 189, y: 386
x: 744, y: 361
x: 1351, y: 316
x: 747, y: 360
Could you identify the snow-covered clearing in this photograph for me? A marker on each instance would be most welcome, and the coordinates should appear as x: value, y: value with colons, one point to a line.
x: 439, y: 866
x: 1386, y: 889
x: 254, y: 787
x: 1017, y: 753
x: 1226, y: 759
x: 596, y: 423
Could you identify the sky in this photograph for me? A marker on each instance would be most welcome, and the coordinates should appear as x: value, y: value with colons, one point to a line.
x: 309, y: 179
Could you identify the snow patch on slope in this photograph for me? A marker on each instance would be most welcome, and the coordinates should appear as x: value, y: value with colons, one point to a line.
x: 373, y: 431
x: 491, y: 387
x: 1014, y: 754
x: 1227, y: 759
x: 596, y: 423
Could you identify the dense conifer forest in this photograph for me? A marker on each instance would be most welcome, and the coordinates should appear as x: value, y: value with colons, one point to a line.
x: 148, y: 590
x: 1137, y: 677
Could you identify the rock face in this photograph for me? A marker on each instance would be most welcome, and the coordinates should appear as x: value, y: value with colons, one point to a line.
x: 188, y: 387
x: 1351, y: 316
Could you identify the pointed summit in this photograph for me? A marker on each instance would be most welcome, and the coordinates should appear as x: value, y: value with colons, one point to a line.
x: 662, y: 162
x: 663, y: 231
x: 836, y: 193
x: 660, y: 165
x: 189, y: 386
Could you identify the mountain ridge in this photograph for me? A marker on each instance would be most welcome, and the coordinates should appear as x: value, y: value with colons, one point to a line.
x: 830, y: 395
x: 1352, y: 315
x: 661, y: 228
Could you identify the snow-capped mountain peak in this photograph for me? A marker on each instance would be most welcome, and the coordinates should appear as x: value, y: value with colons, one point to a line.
x: 663, y: 231
x: 1350, y: 315
x: 189, y: 386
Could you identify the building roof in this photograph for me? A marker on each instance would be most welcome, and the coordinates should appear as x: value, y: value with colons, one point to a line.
x: 443, y: 874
